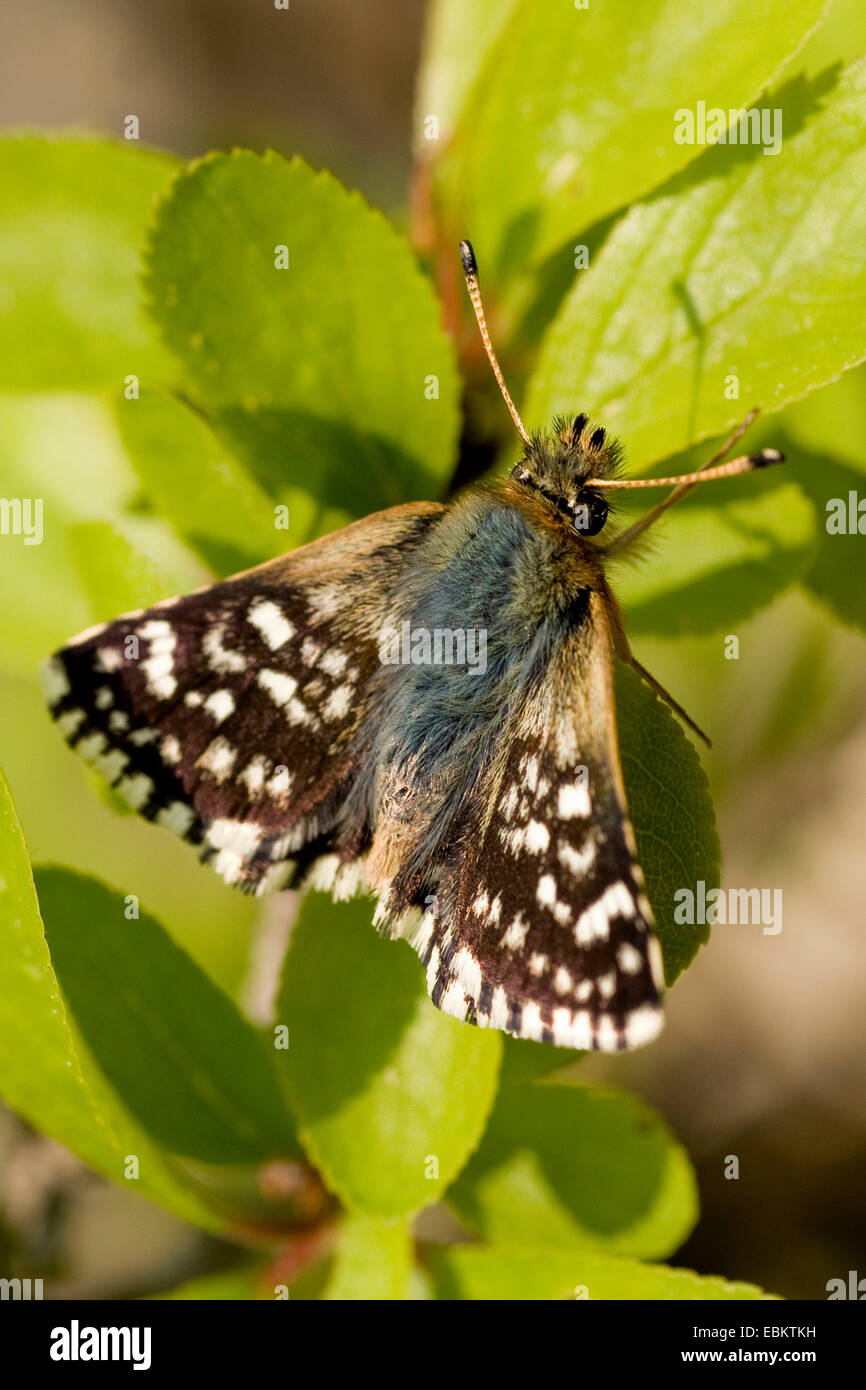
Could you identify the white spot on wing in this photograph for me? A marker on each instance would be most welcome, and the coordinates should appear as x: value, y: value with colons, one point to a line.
x: 273, y: 625
x: 108, y: 659
x: 111, y: 764
x: 467, y: 970
x: 280, y: 784
x: 253, y: 775
x: 221, y: 659
x: 643, y: 1025
x: 577, y: 862
x: 337, y: 704
x: 515, y: 936
x: 279, y: 686
x: 170, y: 750
x: 136, y: 790
x: 499, y: 1008
x: 573, y: 801
x: 629, y: 959
x: 562, y: 981
x: 537, y: 837
x: 243, y: 836
x: 546, y: 890
x: 220, y: 704
x: 606, y: 984
x: 657, y: 966
x: 142, y: 736
x: 54, y: 682
x: 334, y: 663
x: 218, y: 759
x: 90, y: 747
x: 531, y: 1024
x: 594, y: 923
x: 176, y: 817
x: 70, y: 722
x: 159, y: 664
x: 454, y: 1001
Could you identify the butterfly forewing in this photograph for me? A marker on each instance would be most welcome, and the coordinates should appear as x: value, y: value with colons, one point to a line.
x: 227, y: 716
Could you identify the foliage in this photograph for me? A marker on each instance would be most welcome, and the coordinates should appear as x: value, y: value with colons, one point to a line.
x: 165, y: 418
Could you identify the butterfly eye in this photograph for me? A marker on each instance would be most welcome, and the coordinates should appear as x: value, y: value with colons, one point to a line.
x: 590, y: 513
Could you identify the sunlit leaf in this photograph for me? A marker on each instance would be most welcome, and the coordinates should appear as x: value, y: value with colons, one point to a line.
x: 741, y: 283
x: 567, y: 1165
x: 71, y: 220
x: 391, y: 1095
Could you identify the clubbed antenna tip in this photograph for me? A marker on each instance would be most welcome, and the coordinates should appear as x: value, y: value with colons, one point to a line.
x: 467, y: 256
x: 470, y: 270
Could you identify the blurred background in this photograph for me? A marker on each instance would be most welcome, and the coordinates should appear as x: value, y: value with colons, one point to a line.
x: 763, y: 1055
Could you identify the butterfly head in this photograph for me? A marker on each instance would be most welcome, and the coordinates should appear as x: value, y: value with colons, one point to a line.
x: 557, y: 467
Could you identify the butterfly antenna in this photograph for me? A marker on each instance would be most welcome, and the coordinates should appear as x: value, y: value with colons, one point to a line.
x: 470, y: 270
x: 744, y: 464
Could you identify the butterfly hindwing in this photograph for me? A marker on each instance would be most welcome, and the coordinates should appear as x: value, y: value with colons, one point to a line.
x: 541, y: 925
x: 227, y: 715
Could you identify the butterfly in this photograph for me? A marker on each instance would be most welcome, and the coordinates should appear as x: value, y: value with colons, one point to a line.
x: 419, y: 706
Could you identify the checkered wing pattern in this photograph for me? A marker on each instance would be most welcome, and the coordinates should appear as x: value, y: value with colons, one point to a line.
x: 541, y: 926
x: 227, y: 716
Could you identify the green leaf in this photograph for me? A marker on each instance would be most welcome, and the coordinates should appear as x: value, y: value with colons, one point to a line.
x: 391, y: 1095
x: 840, y: 37
x: 231, y: 1285
x: 42, y: 1076
x: 743, y: 268
x: 503, y: 1272
x: 72, y: 217
x: 115, y: 573
x: 373, y: 1260
x: 458, y: 38
x: 721, y: 554
x: 834, y: 575
x: 565, y: 1165
x: 833, y: 421
x: 524, y: 1060
x: 317, y: 373
x: 64, y: 451
x: 574, y: 114
x: 671, y: 810
x: 190, y: 479
x: 189, y: 1067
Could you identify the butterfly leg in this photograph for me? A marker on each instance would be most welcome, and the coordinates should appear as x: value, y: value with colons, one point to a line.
x: 627, y: 538
x: 668, y: 698
x: 623, y: 650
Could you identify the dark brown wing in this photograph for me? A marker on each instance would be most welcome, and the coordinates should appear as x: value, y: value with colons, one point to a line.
x: 226, y: 716
x: 541, y: 926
